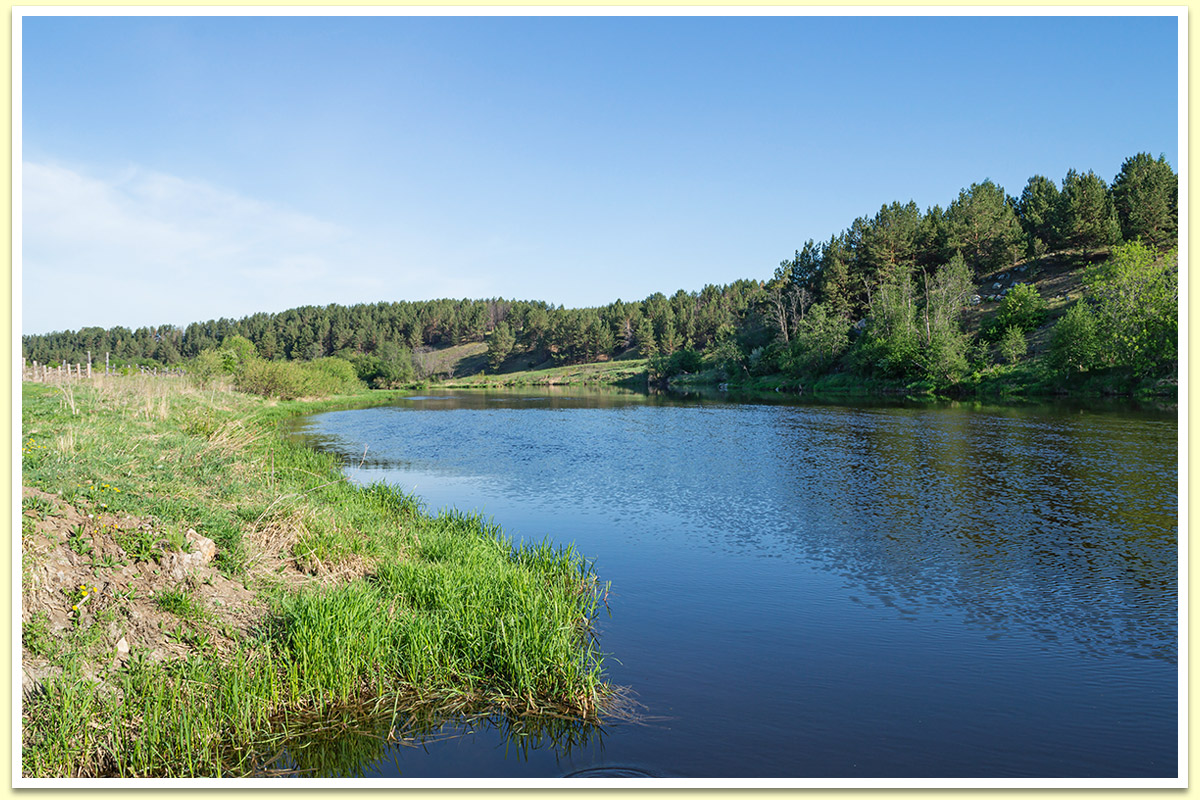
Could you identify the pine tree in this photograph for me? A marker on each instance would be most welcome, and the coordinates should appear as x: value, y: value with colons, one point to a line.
x: 1146, y: 198
x: 1087, y: 218
x: 983, y: 226
x: 645, y: 338
x: 1036, y: 209
x: 500, y: 344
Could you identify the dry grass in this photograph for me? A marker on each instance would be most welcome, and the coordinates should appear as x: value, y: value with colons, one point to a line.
x: 232, y: 438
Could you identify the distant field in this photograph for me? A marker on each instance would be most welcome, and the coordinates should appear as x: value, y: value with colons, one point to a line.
x: 460, y: 359
x: 607, y: 372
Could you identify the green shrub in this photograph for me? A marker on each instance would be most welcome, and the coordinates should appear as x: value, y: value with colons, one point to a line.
x: 282, y: 379
x: 1137, y: 308
x: 821, y: 339
x: 288, y: 380
x: 333, y: 375
x: 240, y: 348
x: 1013, y: 344
x: 680, y: 361
x: 1023, y: 308
x: 207, y: 366
x: 1074, y: 341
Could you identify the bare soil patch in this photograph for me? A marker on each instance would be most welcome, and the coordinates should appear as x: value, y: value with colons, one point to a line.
x: 122, y: 585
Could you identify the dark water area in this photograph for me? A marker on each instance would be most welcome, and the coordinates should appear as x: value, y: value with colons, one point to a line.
x: 809, y: 590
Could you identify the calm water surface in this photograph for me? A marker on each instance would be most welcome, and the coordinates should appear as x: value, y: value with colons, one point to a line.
x: 809, y: 590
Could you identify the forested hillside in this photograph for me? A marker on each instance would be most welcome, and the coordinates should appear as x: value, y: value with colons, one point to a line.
x: 939, y: 297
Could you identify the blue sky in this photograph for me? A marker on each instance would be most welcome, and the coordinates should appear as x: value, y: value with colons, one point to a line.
x: 179, y: 169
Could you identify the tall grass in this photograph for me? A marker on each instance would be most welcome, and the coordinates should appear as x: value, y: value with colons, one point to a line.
x: 402, y: 608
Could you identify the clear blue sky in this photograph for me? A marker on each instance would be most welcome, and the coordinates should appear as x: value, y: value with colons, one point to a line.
x: 180, y: 169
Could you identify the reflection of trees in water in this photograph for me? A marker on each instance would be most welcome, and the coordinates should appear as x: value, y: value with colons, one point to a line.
x: 1058, y: 527
x: 357, y: 742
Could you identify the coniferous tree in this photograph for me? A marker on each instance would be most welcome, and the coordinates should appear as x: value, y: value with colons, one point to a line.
x: 1146, y: 198
x: 983, y: 226
x: 1087, y: 218
x: 645, y: 338
x: 834, y: 289
x: 806, y: 267
x: 500, y: 344
x: 1036, y: 209
x: 888, y: 242
x: 669, y: 340
x: 932, y: 248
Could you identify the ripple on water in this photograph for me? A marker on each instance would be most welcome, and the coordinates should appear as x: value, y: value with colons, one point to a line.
x: 610, y: 771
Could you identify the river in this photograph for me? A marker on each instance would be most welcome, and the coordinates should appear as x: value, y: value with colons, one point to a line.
x: 821, y: 590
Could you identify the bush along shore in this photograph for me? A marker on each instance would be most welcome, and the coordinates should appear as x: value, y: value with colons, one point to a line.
x: 197, y: 590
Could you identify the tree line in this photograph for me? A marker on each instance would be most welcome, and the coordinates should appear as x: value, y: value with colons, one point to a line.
x: 884, y: 298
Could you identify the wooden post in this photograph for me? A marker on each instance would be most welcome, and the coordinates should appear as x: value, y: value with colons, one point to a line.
x: 106, y: 363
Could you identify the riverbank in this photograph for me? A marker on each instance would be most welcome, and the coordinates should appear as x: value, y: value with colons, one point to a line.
x: 193, y: 586
x: 999, y: 383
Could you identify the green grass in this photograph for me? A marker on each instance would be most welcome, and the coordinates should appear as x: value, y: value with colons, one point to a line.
x: 180, y: 602
x: 409, y: 608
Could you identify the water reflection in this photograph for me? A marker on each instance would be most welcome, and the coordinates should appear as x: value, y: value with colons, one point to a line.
x: 362, y: 742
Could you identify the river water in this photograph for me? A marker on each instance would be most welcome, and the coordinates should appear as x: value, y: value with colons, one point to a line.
x: 817, y: 590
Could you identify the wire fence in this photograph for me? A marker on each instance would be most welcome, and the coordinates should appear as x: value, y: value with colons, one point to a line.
x: 44, y: 373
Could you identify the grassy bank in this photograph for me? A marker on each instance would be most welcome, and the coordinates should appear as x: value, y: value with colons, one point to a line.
x: 322, y: 596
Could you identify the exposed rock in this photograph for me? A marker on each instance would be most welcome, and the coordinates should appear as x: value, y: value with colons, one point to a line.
x: 180, y: 565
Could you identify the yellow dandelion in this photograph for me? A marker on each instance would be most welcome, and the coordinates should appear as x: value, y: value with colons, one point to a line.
x: 74, y: 608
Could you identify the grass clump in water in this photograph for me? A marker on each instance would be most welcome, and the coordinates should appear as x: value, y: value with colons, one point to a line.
x: 466, y: 615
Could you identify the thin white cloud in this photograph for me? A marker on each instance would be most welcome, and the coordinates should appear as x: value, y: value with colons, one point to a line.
x: 142, y: 247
